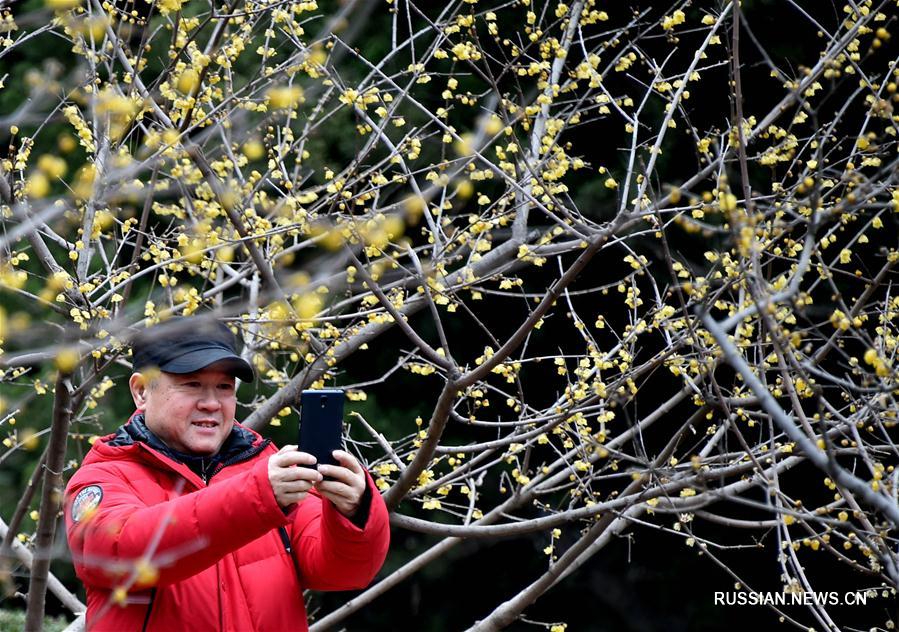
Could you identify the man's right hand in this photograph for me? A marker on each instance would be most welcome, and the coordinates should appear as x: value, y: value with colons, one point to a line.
x: 290, y: 483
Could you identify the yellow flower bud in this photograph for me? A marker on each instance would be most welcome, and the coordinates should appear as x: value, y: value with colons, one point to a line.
x: 67, y: 360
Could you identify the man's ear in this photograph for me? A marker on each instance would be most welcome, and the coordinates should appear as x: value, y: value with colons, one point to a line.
x: 138, y: 385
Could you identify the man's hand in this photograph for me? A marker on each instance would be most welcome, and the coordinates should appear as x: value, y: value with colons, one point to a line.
x: 348, y: 484
x: 290, y: 483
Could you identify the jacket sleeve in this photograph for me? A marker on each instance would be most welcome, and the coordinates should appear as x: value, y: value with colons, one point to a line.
x: 163, y: 543
x: 331, y: 551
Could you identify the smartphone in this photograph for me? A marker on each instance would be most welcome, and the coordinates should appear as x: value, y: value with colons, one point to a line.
x: 321, y: 423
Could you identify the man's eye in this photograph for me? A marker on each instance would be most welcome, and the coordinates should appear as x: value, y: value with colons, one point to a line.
x: 192, y: 384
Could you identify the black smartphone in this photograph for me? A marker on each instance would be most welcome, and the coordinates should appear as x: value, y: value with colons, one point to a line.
x: 321, y: 423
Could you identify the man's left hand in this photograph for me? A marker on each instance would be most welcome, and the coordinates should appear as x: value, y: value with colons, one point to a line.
x: 348, y: 485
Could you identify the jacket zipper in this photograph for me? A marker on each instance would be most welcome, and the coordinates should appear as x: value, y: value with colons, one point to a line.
x: 246, y: 454
x: 243, y: 456
x: 285, y: 540
x: 149, y: 609
x: 282, y: 531
x: 218, y: 585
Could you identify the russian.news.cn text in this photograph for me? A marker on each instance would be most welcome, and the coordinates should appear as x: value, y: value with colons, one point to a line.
x: 755, y: 598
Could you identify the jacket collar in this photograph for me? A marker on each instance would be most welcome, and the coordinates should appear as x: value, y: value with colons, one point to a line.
x: 240, y: 445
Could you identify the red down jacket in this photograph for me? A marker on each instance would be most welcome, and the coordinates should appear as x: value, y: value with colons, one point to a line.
x: 164, y: 551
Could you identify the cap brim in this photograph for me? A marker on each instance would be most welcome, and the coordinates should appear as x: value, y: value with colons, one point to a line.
x: 201, y: 358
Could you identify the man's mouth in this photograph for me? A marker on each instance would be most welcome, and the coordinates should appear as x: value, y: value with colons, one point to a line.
x: 204, y: 424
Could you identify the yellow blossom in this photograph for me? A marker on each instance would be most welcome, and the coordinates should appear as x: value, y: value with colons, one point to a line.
x: 284, y: 97
x: 37, y: 185
x: 169, y: 6
x: 308, y: 305
x: 670, y: 21
x: 67, y: 359
x: 188, y: 81
x: 253, y: 149
x: 52, y: 166
x: 62, y: 5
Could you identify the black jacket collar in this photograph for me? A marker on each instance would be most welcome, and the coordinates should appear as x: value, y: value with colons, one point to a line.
x: 239, y: 446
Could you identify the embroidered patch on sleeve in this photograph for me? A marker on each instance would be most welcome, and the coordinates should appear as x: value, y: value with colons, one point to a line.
x: 86, y: 502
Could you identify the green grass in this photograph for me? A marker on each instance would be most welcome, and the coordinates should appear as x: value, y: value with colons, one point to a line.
x: 14, y: 621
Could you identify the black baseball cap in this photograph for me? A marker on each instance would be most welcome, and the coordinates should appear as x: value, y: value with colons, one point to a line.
x: 188, y: 344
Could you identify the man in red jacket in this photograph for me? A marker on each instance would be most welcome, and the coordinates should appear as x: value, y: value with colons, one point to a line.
x: 185, y: 520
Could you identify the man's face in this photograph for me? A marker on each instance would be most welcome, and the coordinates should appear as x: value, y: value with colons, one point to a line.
x: 190, y: 412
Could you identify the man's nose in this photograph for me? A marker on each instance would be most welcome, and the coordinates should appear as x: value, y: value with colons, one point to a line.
x: 209, y: 400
